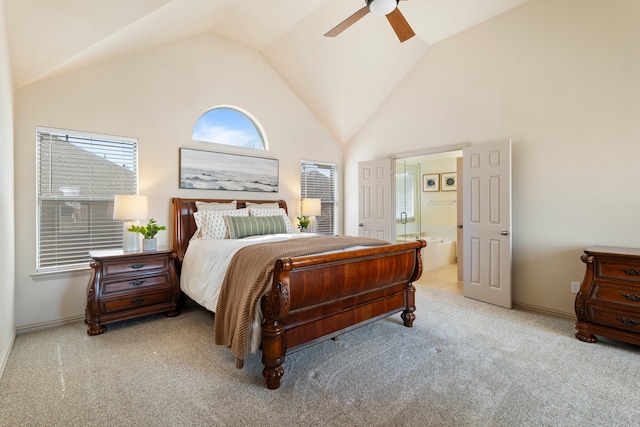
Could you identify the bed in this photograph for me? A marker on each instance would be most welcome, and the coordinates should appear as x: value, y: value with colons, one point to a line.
x: 315, y: 297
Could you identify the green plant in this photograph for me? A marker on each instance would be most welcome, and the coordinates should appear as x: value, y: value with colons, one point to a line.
x: 148, y: 231
x: 303, y: 222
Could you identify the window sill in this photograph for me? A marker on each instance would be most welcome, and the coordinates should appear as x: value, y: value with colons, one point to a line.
x: 59, y: 274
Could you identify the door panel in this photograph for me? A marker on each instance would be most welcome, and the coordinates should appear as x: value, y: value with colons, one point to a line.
x: 376, y: 210
x: 487, y: 222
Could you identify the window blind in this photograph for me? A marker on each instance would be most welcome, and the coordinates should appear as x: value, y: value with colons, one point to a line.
x: 405, y: 195
x: 77, y: 176
x: 318, y: 181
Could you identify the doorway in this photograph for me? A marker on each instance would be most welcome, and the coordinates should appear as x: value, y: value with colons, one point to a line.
x: 426, y: 198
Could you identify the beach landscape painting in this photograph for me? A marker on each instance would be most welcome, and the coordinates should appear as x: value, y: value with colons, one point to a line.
x: 208, y: 170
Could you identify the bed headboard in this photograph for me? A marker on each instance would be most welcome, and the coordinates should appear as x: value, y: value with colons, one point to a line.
x: 184, y: 225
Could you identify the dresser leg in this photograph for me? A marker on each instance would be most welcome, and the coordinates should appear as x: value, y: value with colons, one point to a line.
x: 96, y: 329
x: 584, y: 335
x: 172, y: 313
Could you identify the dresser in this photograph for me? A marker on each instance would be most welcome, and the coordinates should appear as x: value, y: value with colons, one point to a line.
x: 608, y: 303
x: 129, y: 285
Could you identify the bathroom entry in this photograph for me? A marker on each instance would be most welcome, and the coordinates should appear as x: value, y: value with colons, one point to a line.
x: 427, y: 205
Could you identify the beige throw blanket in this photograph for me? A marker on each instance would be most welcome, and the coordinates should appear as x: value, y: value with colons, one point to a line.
x: 248, y: 276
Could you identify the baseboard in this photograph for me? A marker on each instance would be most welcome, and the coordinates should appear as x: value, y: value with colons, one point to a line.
x: 46, y: 325
x: 5, y: 358
x: 537, y: 309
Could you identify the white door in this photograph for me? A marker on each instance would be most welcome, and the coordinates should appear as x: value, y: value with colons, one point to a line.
x: 486, y: 189
x: 376, y: 210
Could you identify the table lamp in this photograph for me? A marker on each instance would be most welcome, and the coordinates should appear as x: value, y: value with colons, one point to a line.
x: 310, y: 209
x: 130, y: 208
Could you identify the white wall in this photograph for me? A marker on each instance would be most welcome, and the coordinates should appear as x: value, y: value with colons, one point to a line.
x: 7, y: 258
x: 560, y: 78
x: 156, y: 96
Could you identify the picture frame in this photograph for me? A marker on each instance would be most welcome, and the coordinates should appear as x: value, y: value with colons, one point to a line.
x: 210, y: 170
x: 431, y: 182
x: 449, y: 181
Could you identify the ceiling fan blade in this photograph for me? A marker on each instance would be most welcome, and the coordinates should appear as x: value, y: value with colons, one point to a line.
x: 400, y: 25
x: 348, y: 22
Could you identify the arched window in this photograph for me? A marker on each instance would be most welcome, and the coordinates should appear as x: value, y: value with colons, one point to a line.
x: 230, y: 126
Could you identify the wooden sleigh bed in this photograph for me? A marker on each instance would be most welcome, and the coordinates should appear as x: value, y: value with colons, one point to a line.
x: 317, y: 297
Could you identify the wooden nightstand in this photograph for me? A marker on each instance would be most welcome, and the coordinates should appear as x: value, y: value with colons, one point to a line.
x: 608, y: 302
x: 128, y: 285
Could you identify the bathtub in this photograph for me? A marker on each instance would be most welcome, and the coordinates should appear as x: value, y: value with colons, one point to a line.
x: 439, y: 251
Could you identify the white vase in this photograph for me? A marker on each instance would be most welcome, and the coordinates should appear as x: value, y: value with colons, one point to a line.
x: 149, y: 244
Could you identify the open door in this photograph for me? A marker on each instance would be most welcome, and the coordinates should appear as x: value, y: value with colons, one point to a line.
x: 486, y: 175
x: 375, y: 205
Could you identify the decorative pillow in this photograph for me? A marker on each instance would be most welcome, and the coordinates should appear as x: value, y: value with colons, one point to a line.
x: 216, y: 206
x: 243, y: 226
x: 270, y: 205
x: 272, y: 212
x: 212, y: 225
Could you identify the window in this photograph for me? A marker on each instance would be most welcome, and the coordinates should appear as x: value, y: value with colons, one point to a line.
x: 230, y: 126
x: 78, y: 175
x: 405, y: 196
x: 318, y: 181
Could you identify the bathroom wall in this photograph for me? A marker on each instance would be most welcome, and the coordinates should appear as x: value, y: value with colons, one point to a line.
x: 438, y: 208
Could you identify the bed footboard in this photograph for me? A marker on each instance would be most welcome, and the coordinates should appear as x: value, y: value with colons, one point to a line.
x: 317, y: 297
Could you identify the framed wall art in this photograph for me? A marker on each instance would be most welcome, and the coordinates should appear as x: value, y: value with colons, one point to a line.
x: 431, y: 182
x: 209, y: 170
x: 449, y: 181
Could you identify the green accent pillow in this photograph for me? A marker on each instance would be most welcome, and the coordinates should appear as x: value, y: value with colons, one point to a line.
x: 243, y: 226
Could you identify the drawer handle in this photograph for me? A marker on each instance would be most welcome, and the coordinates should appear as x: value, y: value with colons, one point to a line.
x: 629, y: 272
x: 137, y: 301
x: 628, y: 322
x: 137, y: 266
x: 137, y: 282
x: 631, y: 297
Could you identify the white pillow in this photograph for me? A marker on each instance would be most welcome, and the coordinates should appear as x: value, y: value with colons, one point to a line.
x: 272, y: 212
x: 269, y: 205
x: 216, y: 206
x: 211, y: 224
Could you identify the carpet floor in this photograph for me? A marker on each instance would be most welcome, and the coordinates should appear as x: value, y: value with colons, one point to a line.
x: 464, y: 363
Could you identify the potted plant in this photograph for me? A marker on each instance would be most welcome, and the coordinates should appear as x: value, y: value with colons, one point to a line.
x: 149, y: 232
x: 303, y: 222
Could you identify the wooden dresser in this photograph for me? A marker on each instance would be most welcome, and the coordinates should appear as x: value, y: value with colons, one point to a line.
x: 608, y: 302
x: 128, y: 285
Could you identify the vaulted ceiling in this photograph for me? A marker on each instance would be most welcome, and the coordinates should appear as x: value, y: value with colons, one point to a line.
x: 343, y: 80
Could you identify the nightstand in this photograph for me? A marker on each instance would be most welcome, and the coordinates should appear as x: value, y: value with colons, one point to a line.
x: 129, y: 285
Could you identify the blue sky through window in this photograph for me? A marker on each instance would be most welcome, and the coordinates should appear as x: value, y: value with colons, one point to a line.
x: 228, y: 126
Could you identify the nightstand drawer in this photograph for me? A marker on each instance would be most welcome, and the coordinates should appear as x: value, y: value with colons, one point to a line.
x: 615, y: 319
x: 625, y: 271
x: 134, y: 266
x: 135, y: 301
x: 136, y: 283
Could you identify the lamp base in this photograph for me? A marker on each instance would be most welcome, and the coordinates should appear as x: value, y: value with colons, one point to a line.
x: 130, y: 240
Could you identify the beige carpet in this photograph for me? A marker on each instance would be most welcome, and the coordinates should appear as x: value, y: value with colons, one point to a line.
x: 464, y: 363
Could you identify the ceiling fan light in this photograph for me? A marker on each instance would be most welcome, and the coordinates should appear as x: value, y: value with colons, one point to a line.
x: 382, y: 7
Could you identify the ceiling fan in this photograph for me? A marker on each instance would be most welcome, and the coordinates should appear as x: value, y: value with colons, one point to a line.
x: 389, y: 8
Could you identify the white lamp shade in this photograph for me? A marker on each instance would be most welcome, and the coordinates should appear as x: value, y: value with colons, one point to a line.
x: 382, y: 7
x: 311, y: 207
x: 128, y: 207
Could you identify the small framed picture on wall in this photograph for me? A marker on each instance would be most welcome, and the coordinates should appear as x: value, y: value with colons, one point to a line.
x: 431, y: 182
x: 449, y: 181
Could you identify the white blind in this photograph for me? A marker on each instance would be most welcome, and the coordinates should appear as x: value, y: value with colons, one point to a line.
x: 78, y: 175
x: 318, y: 181
x: 405, y: 195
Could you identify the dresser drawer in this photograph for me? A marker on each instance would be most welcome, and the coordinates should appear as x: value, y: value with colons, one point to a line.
x: 134, y: 266
x: 605, y: 292
x: 135, y: 283
x: 135, y: 301
x: 626, y: 271
x: 615, y: 319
